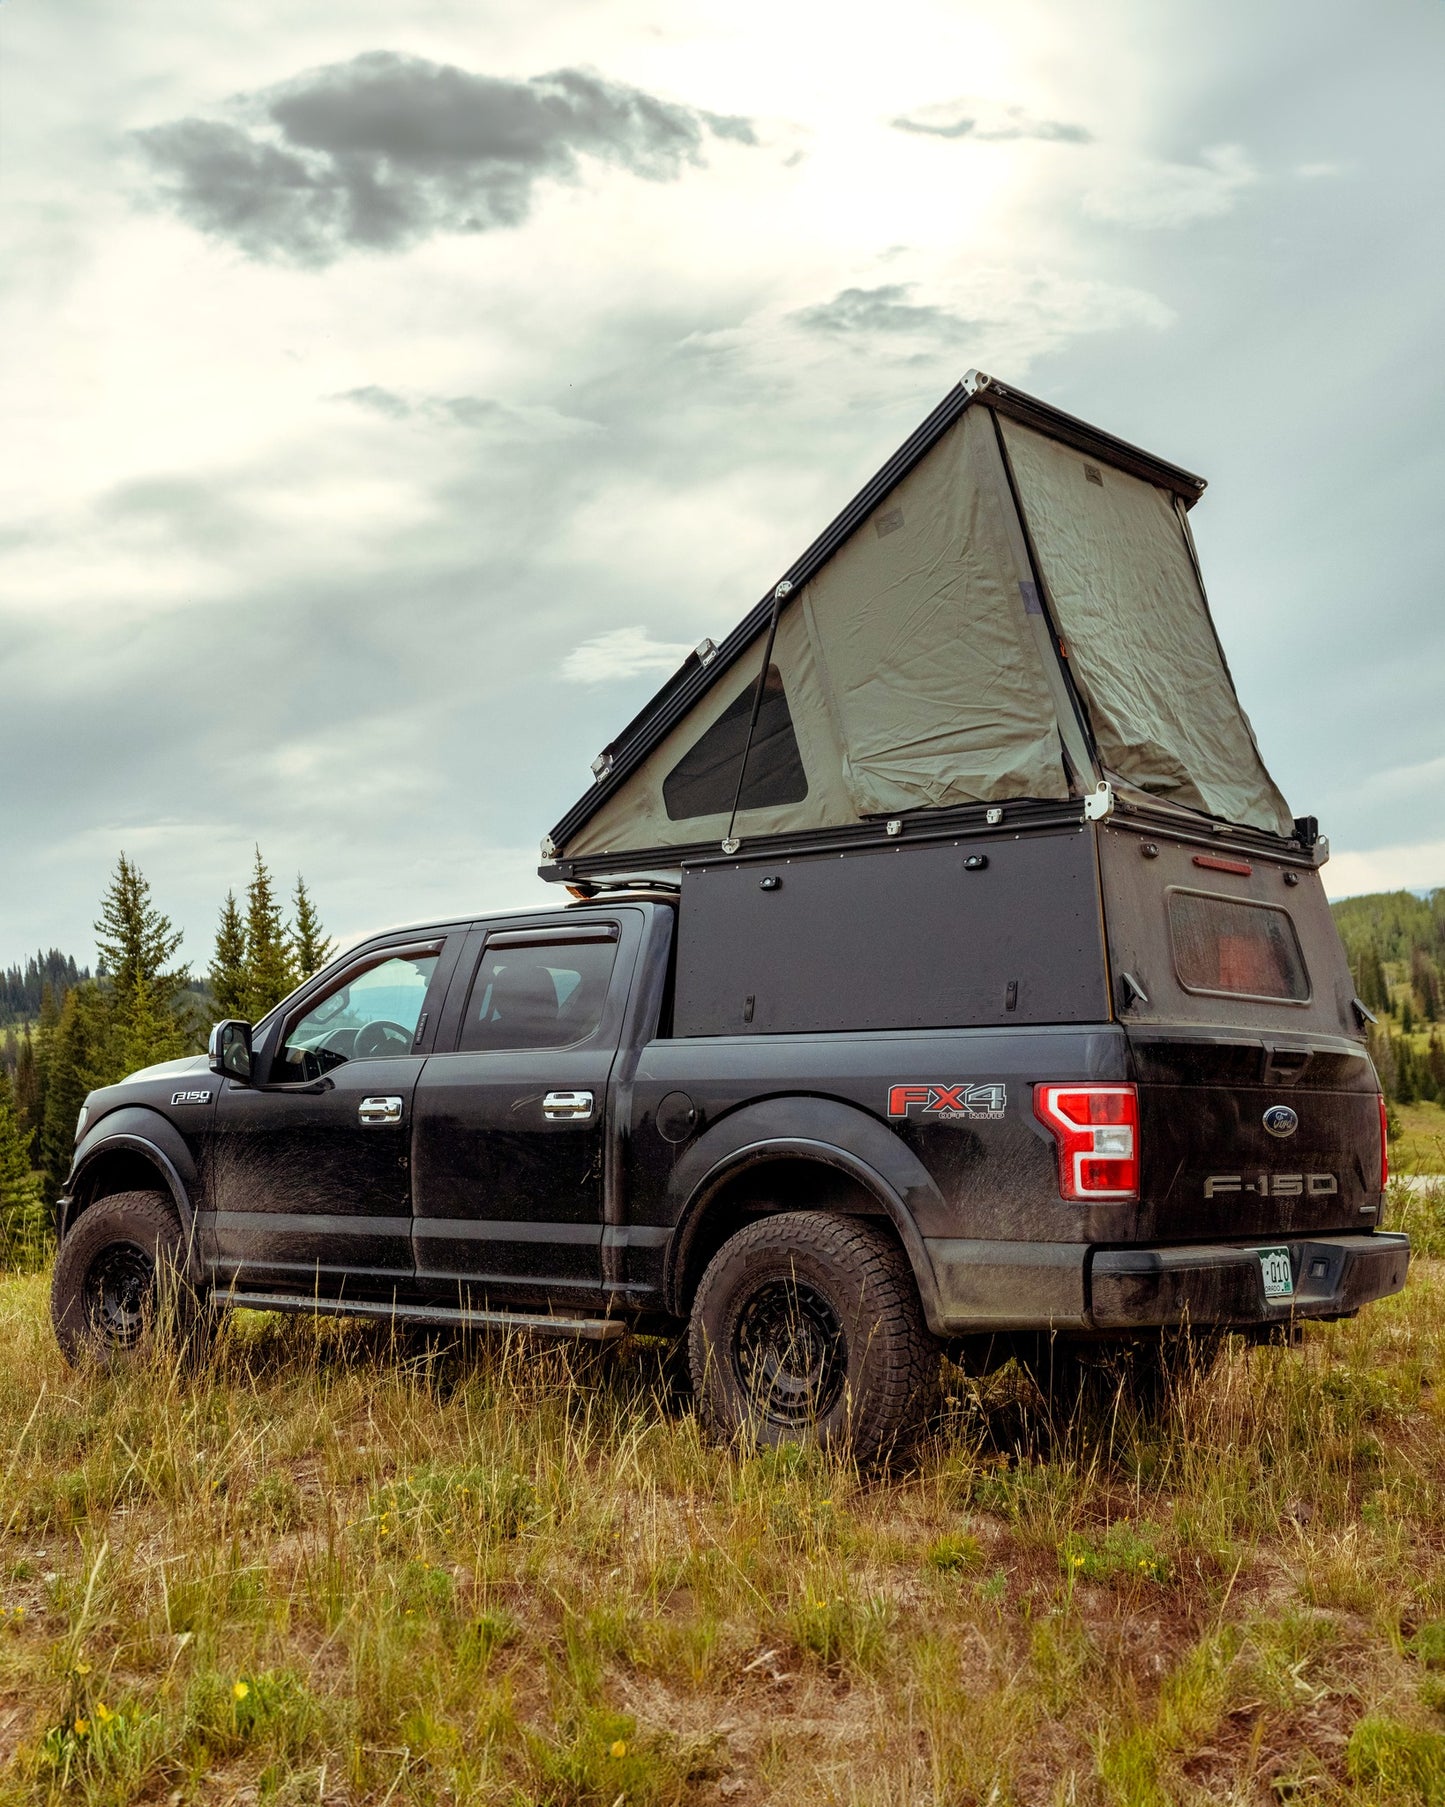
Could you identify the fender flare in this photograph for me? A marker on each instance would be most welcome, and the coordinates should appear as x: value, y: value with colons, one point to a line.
x: 148, y: 1134
x: 824, y: 1130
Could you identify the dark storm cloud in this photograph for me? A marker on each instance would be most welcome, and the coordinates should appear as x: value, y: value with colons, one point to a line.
x: 381, y: 151
x: 886, y: 309
x: 949, y: 121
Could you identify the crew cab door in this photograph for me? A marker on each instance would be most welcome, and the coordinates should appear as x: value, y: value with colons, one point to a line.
x: 512, y: 1114
x: 310, y: 1180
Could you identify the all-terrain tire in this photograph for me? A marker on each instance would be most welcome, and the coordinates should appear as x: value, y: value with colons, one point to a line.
x: 119, y: 1281
x: 808, y: 1328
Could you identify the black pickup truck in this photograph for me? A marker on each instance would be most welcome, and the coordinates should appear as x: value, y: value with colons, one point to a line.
x: 1056, y: 1068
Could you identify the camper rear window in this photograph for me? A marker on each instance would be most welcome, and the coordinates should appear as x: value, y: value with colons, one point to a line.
x: 1236, y: 949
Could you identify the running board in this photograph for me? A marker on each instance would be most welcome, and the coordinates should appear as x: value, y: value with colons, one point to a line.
x: 597, y: 1330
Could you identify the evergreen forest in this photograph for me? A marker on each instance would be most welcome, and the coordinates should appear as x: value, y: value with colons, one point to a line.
x: 65, y: 1031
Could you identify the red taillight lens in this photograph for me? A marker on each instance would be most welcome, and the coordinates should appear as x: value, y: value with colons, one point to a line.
x: 1097, y: 1130
x: 1384, y: 1145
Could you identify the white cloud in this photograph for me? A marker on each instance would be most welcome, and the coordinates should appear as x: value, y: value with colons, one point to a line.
x: 1416, y: 866
x: 1147, y: 194
x: 626, y: 652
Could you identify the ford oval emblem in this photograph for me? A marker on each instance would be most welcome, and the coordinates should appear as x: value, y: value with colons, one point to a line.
x: 1280, y: 1120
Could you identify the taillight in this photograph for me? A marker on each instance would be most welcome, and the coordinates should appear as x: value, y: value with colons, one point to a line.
x: 1384, y: 1144
x: 1097, y: 1130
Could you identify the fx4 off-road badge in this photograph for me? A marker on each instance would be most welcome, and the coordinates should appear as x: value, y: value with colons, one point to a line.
x: 947, y: 1101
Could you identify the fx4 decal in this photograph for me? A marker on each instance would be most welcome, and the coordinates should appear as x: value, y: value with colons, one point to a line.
x: 947, y: 1101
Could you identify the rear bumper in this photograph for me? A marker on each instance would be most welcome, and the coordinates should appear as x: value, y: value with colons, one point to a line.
x: 1057, y: 1286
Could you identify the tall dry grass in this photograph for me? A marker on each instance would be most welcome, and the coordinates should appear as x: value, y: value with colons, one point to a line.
x: 331, y: 1567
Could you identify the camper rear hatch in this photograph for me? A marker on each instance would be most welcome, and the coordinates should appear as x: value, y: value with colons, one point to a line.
x: 1258, y: 1105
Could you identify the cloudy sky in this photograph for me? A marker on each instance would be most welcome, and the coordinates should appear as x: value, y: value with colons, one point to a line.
x: 392, y: 394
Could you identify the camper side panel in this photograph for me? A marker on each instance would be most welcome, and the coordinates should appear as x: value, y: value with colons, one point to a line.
x: 950, y: 934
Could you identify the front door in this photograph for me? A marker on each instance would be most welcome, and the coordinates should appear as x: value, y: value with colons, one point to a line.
x: 310, y: 1182
x: 511, y: 1123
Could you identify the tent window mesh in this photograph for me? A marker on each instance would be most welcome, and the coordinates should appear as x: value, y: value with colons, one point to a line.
x: 703, y: 781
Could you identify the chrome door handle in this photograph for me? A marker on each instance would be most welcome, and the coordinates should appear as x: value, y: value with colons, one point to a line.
x: 380, y: 1110
x: 567, y: 1107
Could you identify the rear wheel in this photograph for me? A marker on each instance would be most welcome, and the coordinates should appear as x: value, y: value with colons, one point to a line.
x: 808, y: 1328
x: 119, y: 1281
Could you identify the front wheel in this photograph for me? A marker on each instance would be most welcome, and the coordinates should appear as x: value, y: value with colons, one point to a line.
x: 808, y: 1328
x: 119, y: 1278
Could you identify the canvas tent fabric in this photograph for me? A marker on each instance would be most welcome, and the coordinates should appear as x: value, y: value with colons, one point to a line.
x: 1120, y: 578
x: 920, y: 662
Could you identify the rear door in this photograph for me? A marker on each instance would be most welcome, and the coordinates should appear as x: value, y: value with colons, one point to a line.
x: 1258, y: 1104
x: 512, y: 1113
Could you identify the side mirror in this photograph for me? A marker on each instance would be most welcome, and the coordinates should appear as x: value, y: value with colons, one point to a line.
x: 230, y: 1050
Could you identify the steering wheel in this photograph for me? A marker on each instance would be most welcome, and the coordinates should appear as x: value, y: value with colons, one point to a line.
x: 381, y: 1038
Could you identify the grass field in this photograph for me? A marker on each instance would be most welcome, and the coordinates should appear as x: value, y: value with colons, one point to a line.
x: 1420, y: 1148
x: 321, y: 1570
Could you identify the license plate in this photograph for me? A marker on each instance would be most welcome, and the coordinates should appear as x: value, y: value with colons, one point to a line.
x: 1278, y: 1280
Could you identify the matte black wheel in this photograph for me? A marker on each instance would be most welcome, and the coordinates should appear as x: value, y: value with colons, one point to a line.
x: 808, y: 1328
x: 118, y: 1279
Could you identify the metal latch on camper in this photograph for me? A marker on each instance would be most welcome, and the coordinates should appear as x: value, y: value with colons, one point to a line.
x: 567, y: 1107
x: 1099, y: 802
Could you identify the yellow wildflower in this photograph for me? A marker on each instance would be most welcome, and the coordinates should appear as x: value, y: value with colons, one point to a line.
x: 82, y: 1726
x: 619, y: 1748
x: 82, y: 1668
x: 239, y: 1690
x: 103, y: 1712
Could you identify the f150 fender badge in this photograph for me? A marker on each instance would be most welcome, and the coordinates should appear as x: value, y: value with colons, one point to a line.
x: 190, y: 1097
x: 947, y: 1101
x: 1273, y: 1185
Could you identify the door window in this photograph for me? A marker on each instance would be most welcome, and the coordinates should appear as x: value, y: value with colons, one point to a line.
x: 373, y: 1014
x: 546, y: 996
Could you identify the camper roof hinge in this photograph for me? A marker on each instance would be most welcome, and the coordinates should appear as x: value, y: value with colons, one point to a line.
x: 601, y: 766
x: 1099, y: 803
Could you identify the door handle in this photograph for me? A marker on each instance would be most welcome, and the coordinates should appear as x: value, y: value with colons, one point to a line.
x: 567, y: 1107
x: 380, y: 1110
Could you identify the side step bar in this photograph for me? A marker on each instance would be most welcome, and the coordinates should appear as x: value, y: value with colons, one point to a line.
x: 597, y: 1330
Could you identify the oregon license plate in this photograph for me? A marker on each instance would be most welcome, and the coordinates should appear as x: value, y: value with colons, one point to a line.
x: 1278, y: 1279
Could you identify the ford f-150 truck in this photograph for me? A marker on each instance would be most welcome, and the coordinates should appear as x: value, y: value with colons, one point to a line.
x: 1056, y: 1052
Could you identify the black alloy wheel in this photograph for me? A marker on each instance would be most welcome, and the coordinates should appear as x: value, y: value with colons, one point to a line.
x: 789, y: 1353
x: 120, y: 1290
x: 808, y: 1328
x: 120, y: 1282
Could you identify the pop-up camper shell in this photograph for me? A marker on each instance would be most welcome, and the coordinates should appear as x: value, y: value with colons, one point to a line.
x: 1000, y: 651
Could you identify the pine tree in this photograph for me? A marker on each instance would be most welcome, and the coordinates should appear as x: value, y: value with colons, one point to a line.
x: 269, y: 971
x: 27, y: 1088
x: 22, y: 1203
x: 1435, y: 1060
x: 44, y: 1043
x: 311, y: 948
x: 76, y: 1062
x: 136, y: 944
x: 229, y: 984
x: 1407, y: 1017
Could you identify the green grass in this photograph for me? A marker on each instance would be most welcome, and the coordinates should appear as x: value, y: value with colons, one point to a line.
x: 1420, y: 1148
x: 324, y: 1569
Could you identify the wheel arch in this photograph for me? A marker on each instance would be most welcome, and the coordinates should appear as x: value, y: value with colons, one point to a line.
x: 133, y: 1150
x: 831, y: 1156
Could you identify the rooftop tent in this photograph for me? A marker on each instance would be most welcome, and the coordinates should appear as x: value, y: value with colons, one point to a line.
x: 1010, y: 610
